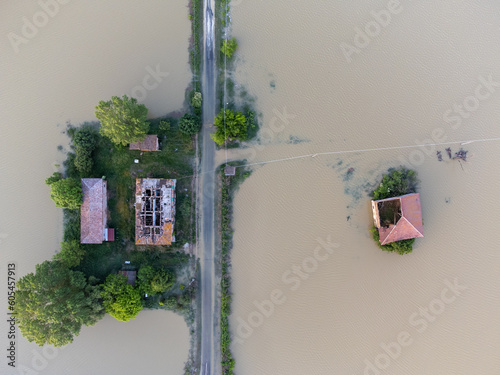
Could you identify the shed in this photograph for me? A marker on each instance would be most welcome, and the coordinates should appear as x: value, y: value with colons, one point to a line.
x: 150, y: 143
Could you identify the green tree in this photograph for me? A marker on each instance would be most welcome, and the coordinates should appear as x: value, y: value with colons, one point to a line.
x: 189, y: 124
x: 71, y: 253
x: 397, y: 182
x: 151, y: 281
x: 53, y: 303
x: 85, y: 138
x: 56, y: 176
x: 85, y: 141
x: 121, y: 300
x: 122, y: 120
x: 235, y: 126
x: 66, y: 193
x: 196, y: 102
x: 229, y: 46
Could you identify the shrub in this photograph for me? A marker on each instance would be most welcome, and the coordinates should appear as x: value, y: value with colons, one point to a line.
x: 189, y: 124
x: 398, y: 182
x: 229, y: 46
x: 230, y: 126
x: 66, y: 193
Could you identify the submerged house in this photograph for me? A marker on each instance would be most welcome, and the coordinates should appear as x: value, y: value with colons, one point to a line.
x: 94, y: 212
x: 398, y: 218
x: 150, y: 143
x: 154, y: 211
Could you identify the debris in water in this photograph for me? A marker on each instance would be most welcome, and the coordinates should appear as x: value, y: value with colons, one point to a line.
x: 448, y: 150
x: 461, y: 154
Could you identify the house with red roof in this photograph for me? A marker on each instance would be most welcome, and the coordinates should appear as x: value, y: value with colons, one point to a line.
x: 398, y: 218
x: 94, y: 212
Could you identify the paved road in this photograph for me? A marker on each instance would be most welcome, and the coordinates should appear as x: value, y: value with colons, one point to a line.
x: 207, y: 194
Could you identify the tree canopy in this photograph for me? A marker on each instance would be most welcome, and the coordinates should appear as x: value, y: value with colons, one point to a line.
x: 229, y: 46
x: 71, y: 253
x: 85, y: 141
x: 189, y: 124
x: 235, y: 126
x: 151, y: 281
x: 121, y: 300
x: 123, y: 120
x: 66, y: 193
x: 53, y: 303
x: 397, y: 182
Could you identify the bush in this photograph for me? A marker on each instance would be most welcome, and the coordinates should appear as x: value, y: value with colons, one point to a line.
x: 85, y: 141
x: 230, y: 126
x: 56, y: 176
x: 229, y: 46
x: 398, y: 182
x: 66, y: 193
x: 189, y: 124
x: 71, y: 253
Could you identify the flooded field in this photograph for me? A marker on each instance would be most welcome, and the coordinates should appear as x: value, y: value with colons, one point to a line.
x: 312, y: 294
x: 57, y: 63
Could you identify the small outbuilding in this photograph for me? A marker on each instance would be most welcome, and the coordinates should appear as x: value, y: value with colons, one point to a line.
x: 131, y: 276
x: 398, y: 218
x: 150, y: 143
x: 229, y: 171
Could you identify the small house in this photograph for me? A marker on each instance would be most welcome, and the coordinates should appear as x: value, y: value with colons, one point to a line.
x: 94, y: 212
x: 150, y: 143
x: 398, y: 218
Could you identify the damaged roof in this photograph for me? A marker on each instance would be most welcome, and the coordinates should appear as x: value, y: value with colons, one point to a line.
x: 150, y: 143
x: 409, y: 224
x: 154, y: 211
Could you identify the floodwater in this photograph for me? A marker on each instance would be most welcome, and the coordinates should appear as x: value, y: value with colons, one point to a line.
x: 81, y: 53
x: 312, y: 294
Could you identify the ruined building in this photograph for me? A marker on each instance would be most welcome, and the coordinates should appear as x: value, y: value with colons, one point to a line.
x: 398, y: 218
x: 154, y: 211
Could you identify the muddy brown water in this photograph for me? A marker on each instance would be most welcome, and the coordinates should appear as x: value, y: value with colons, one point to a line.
x: 304, y: 306
x: 81, y: 53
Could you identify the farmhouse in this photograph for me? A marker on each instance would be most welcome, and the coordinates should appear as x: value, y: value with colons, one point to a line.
x: 398, y: 218
x: 94, y: 212
x: 154, y: 211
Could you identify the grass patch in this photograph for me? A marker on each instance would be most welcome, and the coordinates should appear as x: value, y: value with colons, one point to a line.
x: 195, y: 53
x: 229, y: 186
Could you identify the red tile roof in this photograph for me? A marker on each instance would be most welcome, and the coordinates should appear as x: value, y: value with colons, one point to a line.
x: 410, y: 223
x: 150, y: 143
x: 93, y: 212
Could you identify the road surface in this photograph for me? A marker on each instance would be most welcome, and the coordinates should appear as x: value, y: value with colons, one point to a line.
x: 207, y: 195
